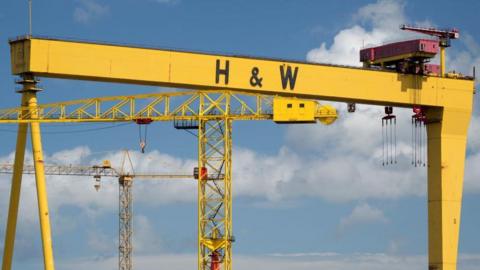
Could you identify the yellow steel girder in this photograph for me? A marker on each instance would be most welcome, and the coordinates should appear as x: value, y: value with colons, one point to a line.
x: 172, y: 107
x: 150, y: 66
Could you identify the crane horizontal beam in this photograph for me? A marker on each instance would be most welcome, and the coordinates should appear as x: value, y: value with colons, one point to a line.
x: 174, y: 106
x: 7, y: 168
x: 149, y: 66
x: 71, y: 170
x: 442, y: 33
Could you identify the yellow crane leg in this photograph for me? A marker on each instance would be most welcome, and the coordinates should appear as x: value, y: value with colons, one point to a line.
x: 447, y: 139
x: 30, y: 91
x: 43, y: 213
x: 15, y: 193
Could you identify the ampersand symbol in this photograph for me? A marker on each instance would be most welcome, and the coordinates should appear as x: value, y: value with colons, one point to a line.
x: 255, y: 80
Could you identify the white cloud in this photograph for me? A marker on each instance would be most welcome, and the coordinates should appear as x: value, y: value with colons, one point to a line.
x: 343, y: 162
x: 384, y: 17
x: 360, y: 215
x: 146, y: 239
x: 335, y: 177
x: 327, y: 260
x: 395, y: 245
x: 464, y: 60
x: 374, y: 24
x: 89, y: 10
x: 79, y: 191
x: 336, y: 170
x: 99, y: 242
x: 472, y: 173
x: 384, y: 14
x: 474, y: 130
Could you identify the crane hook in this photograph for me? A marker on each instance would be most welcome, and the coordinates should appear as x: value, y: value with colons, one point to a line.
x: 97, y: 184
x: 389, y: 137
x: 143, y: 139
x: 419, y: 148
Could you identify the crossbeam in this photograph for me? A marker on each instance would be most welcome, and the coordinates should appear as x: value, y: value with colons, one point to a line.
x: 66, y: 170
x: 151, y: 66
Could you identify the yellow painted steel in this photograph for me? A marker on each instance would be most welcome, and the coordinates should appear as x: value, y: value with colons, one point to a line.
x: 384, y: 61
x: 42, y: 198
x: 112, y: 63
x: 29, y: 98
x: 163, y: 107
x: 287, y: 110
x: 447, y: 100
x: 442, y: 61
x: 15, y: 193
x: 446, y: 159
x: 215, y: 235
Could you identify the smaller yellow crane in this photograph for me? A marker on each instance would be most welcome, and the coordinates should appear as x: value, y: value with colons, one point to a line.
x: 125, y: 181
x: 210, y: 113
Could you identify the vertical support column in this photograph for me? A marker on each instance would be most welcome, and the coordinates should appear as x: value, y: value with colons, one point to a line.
x: 30, y: 90
x: 228, y: 198
x: 447, y: 141
x: 43, y: 212
x: 442, y: 61
x: 125, y: 209
x: 15, y: 192
x: 215, y: 195
x: 202, y: 178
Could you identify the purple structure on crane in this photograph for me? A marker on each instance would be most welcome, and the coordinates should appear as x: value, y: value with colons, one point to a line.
x: 406, y: 56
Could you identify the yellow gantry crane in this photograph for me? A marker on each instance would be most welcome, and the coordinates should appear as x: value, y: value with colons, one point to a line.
x: 209, y: 112
x: 446, y: 102
x: 125, y: 195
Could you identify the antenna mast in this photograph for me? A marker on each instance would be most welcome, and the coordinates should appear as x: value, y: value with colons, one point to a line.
x: 30, y: 17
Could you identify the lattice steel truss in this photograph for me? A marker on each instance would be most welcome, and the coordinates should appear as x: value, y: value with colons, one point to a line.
x: 157, y: 107
x: 211, y: 113
x: 64, y: 170
x: 215, y: 194
x: 125, y: 210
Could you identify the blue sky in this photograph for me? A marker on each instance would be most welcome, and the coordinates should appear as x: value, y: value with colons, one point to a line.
x: 303, y: 193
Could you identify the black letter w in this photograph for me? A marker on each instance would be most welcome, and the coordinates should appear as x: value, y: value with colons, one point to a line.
x: 287, y: 77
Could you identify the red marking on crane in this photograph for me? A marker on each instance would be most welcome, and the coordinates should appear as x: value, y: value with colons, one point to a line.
x: 203, y: 173
x: 143, y: 121
x: 215, y: 264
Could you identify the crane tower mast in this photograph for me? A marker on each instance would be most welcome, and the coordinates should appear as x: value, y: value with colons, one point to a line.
x: 125, y: 195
